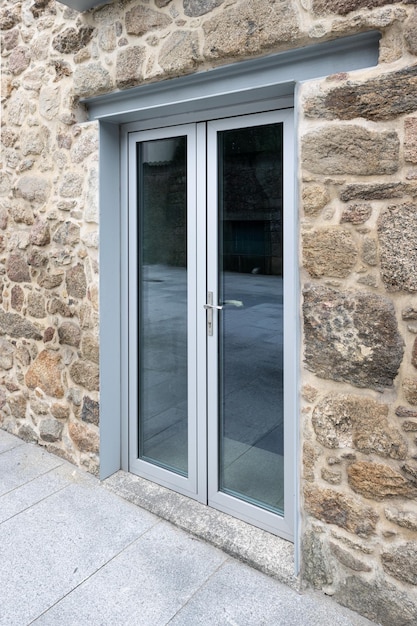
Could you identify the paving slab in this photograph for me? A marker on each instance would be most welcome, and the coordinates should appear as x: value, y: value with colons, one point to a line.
x: 237, y: 595
x: 21, y: 464
x: 21, y: 498
x: 51, y: 547
x: 7, y: 442
x: 145, y: 585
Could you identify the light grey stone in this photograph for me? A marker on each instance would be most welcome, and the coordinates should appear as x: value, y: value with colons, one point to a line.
x: 18, y: 108
x: 33, y: 188
x: 180, y: 52
x: 256, y: 26
x: 49, y: 101
x: 72, y: 185
x: 397, y: 232
x: 16, y: 326
x: 70, y: 334
x: 6, y: 354
x: 141, y: 20
x: 91, y: 79
x: 76, y: 281
x: 84, y: 145
x: 195, y: 8
x: 67, y: 234
x: 350, y: 150
x: 129, y: 66
x: 50, y: 429
x: 91, y: 199
x: 36, y: 305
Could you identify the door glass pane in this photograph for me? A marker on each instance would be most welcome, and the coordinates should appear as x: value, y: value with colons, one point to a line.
x: 162, y: 193
x: 251, y: 450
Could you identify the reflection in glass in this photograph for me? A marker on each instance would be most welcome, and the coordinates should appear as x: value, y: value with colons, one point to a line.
x: 251, y: 448
x: 162, y: 193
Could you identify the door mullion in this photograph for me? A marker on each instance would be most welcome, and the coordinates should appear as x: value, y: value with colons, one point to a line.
x: 212, y: 341
x: 201, y: 288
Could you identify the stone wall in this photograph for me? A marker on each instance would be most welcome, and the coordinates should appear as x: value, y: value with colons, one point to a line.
x: 358, y: 253
x: 359, y: 246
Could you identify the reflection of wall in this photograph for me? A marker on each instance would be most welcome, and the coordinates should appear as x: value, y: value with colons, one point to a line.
x: 252, y: 213
x: 164, y: 222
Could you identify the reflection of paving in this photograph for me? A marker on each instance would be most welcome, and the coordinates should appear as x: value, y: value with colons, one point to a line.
x: 256, y: 473
x: 251, y: 381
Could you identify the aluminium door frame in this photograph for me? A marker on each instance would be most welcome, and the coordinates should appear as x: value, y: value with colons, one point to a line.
x: 187, y: 485
x: 196, y: 487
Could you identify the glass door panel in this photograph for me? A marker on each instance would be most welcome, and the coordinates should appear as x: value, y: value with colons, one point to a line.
x: 162, y: 258
x: 250, y: 346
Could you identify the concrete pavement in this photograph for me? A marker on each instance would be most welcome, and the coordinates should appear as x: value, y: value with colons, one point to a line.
x: 74, y: 553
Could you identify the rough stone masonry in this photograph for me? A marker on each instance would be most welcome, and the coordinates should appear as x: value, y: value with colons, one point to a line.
x: 357, y: 138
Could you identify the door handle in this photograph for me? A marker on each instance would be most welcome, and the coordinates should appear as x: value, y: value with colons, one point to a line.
x: 213, y: 306
x: 209, y: 306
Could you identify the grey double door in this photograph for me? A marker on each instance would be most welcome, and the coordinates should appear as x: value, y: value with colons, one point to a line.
x: 207, y: 326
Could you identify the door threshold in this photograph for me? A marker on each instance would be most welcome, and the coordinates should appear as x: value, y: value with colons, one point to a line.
x: 268, y: 553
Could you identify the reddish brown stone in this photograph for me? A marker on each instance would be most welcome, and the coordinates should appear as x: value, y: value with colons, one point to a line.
x: 19, y: 60
x: 39, y: 234
x: 414, y: 353
x: 48, y: 335
x: 410, y: 390
x: 383, y: 98
x: 343, y: 7
x: 377, y: 481
x: 334, y: 507
x: 85, y: 437
x: 45, y: 373
x: 17, y: 297
x: 356, y: 213
x: 404, y: 411
x: 329, y: 251
x: 76, y: 282
x: 17, y: 268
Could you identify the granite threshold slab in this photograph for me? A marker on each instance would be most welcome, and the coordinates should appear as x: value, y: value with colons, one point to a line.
x: 257, y: 548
